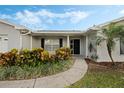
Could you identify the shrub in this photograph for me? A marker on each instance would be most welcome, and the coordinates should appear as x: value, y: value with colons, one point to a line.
x: 24, y: 57
x: 14, y: 51
x: 33, y: 57
x: 52, y: 58
x: 36, y: 53
x: 9, y: 58
x: 63, y: 53
x: 25, y: 64
x: 2, y: 62
x: 45, y: 56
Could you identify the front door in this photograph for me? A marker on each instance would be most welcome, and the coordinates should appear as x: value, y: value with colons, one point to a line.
x: 75, y: 46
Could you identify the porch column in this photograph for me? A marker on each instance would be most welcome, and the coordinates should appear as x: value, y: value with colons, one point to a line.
x: 86, y: 46
x: 68, y: 41
x: 31, y: 43
x: 20, y: 41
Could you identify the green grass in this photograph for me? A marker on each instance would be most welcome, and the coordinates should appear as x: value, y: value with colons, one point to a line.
x: 28, y: 72
x: 100, y: 78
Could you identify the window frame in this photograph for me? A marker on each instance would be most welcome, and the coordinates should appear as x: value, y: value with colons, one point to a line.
x: 121, y: 46
x: 51, y: 44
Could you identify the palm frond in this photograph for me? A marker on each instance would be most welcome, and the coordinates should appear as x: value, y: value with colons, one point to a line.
x: 99, y: 40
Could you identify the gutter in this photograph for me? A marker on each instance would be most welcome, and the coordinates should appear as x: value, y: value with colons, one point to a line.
x: 27, y: 33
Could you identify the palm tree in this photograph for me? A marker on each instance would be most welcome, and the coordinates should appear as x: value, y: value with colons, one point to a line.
x: 108, y: 35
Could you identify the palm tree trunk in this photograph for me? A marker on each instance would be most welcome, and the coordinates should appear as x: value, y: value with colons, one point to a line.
x: 110, y: 54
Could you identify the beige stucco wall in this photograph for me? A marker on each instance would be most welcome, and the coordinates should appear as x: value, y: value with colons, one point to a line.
x: 26, y: 41
x: 36, y: 42
x: 103, y: 53
x: 92, y: 40
x: 13, y: 35
x: 102, y: 49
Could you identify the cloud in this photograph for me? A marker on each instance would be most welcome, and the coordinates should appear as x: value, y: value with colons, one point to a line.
x: 122, y: 11
x: 27, y: 17
x: 4, y: 16
x: 43, y: 18
x: 77, y: 16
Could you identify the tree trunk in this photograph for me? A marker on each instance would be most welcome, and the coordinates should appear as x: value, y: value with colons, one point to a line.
x: 110, y: 54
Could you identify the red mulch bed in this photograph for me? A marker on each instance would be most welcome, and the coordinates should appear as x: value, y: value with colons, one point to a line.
x: 118, y: 65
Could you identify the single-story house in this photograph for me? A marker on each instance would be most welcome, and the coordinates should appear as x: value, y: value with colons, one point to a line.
x: 81, y: 42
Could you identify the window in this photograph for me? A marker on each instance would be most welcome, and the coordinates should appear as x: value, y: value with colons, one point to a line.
x: 51, y: 44
x: 3, y: 43
x: 121, y: 45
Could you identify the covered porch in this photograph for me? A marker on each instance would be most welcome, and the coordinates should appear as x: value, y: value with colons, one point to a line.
x: 51, y: 41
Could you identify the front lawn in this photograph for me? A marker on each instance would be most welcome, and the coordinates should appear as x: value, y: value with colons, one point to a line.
x: 97, y: 77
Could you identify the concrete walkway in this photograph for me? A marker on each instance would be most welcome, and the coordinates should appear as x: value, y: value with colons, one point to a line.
x: 60, y: 80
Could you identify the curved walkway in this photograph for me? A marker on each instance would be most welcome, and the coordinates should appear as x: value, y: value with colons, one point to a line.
x: 54, y: 81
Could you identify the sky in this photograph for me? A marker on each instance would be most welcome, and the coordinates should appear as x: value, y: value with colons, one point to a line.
x: 60, y: 17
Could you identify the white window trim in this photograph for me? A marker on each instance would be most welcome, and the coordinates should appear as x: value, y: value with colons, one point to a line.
x: 120, y: 48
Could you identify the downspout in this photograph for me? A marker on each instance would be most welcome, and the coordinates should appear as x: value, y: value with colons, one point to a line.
x: 21, y: 42
x: 31, y: 43
x: 21, y: 39
x: 30, y: 39
x: 22, y: 28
